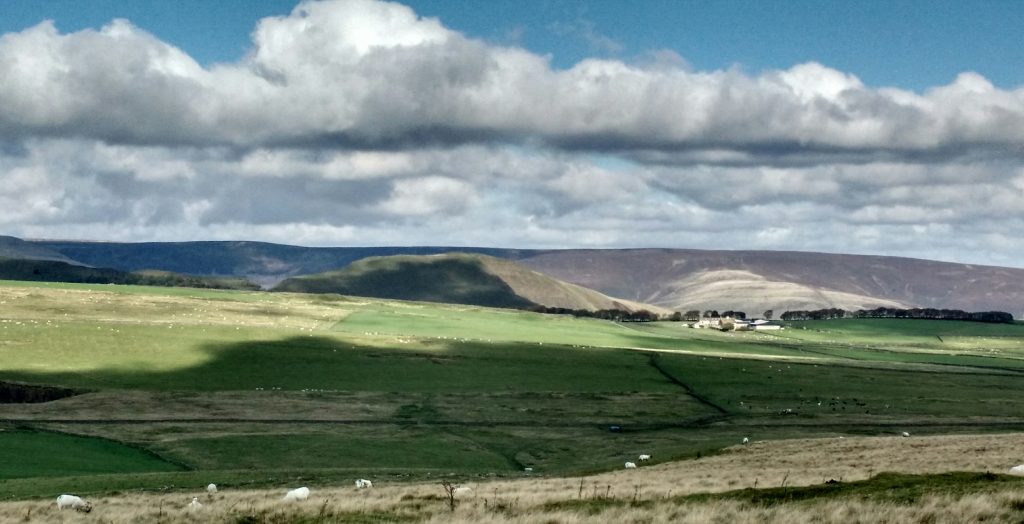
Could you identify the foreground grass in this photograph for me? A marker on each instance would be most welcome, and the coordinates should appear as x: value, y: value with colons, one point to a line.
x: 950, y: 497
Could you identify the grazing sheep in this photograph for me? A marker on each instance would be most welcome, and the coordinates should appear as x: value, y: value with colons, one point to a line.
x: 462, y: 490
x: 746, y: 440
x: 1017, y: 470
x: 211, y: 488
x: 631, y: 465
x: 195, y: 504
x: 73, y: 502
x: 644, y: 458
x: 297, y: 495
x: 363, y: 483
x: 905, y: 434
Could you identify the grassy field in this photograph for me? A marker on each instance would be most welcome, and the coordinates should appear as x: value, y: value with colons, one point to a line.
x: 180, y: 385
x: 45, y: 454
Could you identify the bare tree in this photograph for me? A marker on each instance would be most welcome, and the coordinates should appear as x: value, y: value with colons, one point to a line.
x: 449, y: 491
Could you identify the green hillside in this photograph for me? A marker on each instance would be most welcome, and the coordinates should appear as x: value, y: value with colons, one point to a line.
x: 456, y: 278
x: 451, y: 279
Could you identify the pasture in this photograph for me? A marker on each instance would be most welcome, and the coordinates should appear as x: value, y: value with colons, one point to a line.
x: 179, y: 387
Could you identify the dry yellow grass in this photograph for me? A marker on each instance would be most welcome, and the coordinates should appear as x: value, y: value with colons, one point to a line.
x: 244, y: 309
x: 990, y: 507
x: 800, y: 462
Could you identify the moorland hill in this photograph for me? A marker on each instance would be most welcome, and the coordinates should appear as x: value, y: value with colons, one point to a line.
x: 456, y: 278
x: 676, y: 279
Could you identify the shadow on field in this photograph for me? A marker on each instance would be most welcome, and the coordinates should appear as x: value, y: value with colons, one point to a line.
x: 312, y: 363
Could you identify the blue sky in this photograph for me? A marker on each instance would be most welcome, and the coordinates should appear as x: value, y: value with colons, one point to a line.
x: 908, y: 44
x: 890, y: 128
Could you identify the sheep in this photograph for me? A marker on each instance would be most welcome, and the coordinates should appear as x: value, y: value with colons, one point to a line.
x: 73, y: 502
x: 363, y: 483
x: 211, y: 488
x: 630, y: 465
x: 297, y: 495
x: 528, y: 470
x: 644, y: 458
x: 905, y: 434
x: 462, y: 490
x: 1017, y: 470
x: 195, y: 504
x: 746, y: 440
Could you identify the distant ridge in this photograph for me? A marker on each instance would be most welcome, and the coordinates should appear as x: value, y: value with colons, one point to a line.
x: 57, y: 271
x: 678, y: 279
x: 261, y: 262
x: 455, y: 278
x: 16, y: 248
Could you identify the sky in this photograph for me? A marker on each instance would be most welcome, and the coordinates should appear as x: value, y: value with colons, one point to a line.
x: 891, y: 128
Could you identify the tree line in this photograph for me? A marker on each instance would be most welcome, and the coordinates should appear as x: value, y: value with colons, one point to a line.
x: 642, y: 315
x: 617, y: 315
x: 888, y: 312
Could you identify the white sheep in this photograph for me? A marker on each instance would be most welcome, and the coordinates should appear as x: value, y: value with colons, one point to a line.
x: 631, y: 465
x: 1017, y: 470
x: 746, y: 440
x: 211, y: 488
x: 297, y: 494
x: 644, y: 458
x: 905, y: 434
x: 462, y: 490
x: 76, y: 503
x: 363, y: 483
x: 195, y: 504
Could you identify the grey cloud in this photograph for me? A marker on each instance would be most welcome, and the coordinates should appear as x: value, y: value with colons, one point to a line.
x: 506, y: 197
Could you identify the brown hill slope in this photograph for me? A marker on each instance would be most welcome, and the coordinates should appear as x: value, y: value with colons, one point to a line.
x: 542, y: 289
x: 753, y: 281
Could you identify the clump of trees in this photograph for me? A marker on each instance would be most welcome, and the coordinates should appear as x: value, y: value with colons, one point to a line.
x: 617, y: 315
x: 915, y: 313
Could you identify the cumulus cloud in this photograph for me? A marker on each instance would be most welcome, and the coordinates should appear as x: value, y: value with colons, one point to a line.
x: 357, y: 121
x: 369, y: 74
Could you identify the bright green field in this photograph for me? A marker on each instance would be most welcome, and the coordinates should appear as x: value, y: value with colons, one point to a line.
x: 331, y: 388
x: 43, y: 454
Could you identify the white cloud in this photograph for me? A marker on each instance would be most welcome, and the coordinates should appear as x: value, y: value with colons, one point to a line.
x: 369, y: 74
x: 429, y: 196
